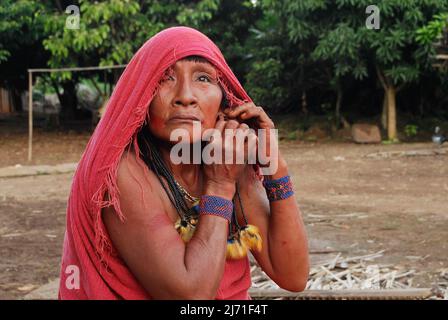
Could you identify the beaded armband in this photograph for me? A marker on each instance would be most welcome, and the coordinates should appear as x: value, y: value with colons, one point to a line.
x: 217, y: 206
x: 278, y: 189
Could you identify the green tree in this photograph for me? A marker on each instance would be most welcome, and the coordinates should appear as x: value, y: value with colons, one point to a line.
x: 111, y: 31
x: 106, y: 36
x: 21, y: 35
x: 281, y: 69
x: 340, y: 48
x: 434, y: 30
x: 337, y: 34
x: 398, y: 58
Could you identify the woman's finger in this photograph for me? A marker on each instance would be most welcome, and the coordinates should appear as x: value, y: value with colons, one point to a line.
x: 242, y: 133
x: 232, y: 124
x: 262, y: 118
x: 250, y: 148
x: 243, y: 126
x: 221, y: 123
x: 252, y: 113
x: 235, y: 112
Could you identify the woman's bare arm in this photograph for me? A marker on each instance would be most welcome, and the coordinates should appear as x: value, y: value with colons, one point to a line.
x: 284, y: 255
x: 151, y: 247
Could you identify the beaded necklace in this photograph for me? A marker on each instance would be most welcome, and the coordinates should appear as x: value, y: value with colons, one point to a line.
x: 240, y: 239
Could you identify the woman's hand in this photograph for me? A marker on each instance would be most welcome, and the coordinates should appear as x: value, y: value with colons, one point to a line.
x: 251, y: 114
x: 220, y: 178
x: 257, y: 119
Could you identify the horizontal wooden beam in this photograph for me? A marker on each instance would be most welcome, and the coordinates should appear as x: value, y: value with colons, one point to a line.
x: 442, y: 57
x: 79, y: 68
x: 385, y: 294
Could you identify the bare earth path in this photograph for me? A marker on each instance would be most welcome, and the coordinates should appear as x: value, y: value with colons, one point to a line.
x: 351, y: 204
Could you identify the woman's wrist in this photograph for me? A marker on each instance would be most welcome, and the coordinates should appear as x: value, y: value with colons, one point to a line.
x: 278, y: 189
x: 224, y: 190
x: 282, y: 169
x: 217, y: 206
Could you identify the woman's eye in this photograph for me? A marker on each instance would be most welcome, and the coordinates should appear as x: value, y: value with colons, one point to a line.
x: 167, y: 77
x: 204, y: 78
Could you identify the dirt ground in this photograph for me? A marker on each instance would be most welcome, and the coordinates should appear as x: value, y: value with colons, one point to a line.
x: 351, y: 204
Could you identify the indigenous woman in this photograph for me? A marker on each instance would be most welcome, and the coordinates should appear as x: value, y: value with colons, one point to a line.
x: 142, y: 226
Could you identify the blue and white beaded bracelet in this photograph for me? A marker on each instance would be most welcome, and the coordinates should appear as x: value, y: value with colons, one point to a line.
x: 214, y: 205
x: 278, y: 189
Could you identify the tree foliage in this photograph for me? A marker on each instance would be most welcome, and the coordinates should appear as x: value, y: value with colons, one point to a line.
x: 290, y: 55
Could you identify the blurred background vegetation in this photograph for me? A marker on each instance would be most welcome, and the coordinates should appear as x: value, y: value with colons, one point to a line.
x: 306, y: 62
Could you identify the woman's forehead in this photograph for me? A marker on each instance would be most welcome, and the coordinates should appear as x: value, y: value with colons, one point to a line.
x: 194, y: 61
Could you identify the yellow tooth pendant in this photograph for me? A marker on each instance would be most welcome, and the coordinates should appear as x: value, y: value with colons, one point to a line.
x: 235, y: 249
x: 185, y: 228
x: 251, y: 238
x: 248, y: 238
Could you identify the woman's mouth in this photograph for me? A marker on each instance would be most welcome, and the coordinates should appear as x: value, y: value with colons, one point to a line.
x: 184, y: 118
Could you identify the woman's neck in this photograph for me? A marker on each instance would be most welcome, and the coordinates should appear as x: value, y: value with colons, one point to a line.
x: 187, y: 174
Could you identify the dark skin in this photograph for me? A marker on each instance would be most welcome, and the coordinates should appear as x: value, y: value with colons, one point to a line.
x: 147, y: 241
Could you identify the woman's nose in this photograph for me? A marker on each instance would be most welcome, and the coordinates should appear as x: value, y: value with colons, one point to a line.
x: 185, y: 96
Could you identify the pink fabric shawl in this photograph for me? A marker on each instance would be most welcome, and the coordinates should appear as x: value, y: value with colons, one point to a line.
x: 89, y: 257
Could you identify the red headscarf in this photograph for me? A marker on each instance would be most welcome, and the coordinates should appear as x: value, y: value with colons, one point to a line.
x: 91, y: 267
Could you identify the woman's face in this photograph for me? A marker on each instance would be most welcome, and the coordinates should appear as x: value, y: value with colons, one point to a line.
x: 189, y: 92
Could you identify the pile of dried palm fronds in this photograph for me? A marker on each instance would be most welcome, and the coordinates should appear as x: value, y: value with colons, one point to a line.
x: 346, y: 275
x: 440, y: 289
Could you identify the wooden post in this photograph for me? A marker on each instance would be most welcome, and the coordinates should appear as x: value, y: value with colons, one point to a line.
x: 30, y: 116
x: 391, y: 112
x: 30, y: 98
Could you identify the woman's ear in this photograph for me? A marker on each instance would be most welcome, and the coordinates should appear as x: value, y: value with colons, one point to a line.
x: 220, y: 114
x: 224, y: 101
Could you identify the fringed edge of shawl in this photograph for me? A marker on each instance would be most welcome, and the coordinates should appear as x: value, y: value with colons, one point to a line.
x: 103, y: 242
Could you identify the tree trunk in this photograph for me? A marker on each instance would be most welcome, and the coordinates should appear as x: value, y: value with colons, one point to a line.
x: 391, y: 112
x: 69, y: 101
x: 16, y: 99
x: 421, y: 106
x: 389, y: 104
x: 56, y: 89
x: 304, y: 103
x: 384, y: 112
x: 338, y: 106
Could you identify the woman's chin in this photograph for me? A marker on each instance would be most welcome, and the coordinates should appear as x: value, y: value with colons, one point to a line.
x: 186, y: 131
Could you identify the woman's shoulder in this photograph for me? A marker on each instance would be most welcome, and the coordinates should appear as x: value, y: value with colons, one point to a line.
x: 132, y: 169
x: 138, y: 187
